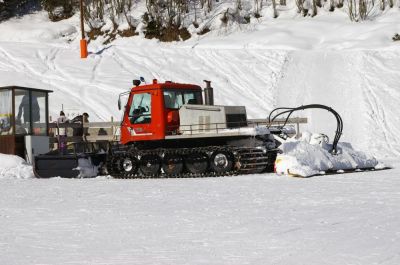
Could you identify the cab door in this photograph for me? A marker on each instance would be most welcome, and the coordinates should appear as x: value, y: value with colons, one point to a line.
x: 140, y: 120
x: 140, y: 112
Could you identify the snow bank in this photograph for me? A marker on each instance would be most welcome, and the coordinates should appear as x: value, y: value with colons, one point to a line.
x: 26, y: 29
x: 14, y: 167
x: 308, y: 157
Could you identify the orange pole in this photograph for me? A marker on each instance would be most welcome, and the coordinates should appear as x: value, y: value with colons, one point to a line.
x: 83, y: 43
x: 84, y: 51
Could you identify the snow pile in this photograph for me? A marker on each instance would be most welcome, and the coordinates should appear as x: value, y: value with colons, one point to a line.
x: 26, y: 29
x: 14, y: 167
x: 86, y: 168
x: 308, y: 157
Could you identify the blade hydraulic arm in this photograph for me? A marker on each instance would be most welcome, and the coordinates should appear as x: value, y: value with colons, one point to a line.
x: 289, y: 111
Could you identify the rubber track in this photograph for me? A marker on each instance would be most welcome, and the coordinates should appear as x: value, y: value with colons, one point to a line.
x: 245, y: 161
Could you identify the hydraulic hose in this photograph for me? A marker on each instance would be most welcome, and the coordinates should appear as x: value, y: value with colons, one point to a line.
x: 289, y: 111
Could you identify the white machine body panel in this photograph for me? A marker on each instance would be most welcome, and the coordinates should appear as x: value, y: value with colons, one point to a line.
x: 36, y: 145
x: 195, y: 119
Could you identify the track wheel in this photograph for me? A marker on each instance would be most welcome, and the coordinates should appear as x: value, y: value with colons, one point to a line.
x: 197, y: 163
x: 221, y: 162
x: 128, y: 166
x: 150, y: 165
x: 172, y: 164
x: 112, y: 165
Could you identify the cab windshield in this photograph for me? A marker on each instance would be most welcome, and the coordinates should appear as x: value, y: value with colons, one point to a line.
x: 174, y: 99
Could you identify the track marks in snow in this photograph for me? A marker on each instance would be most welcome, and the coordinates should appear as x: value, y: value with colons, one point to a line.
x: 353, y: 82
x: 241, y: 76
x: 9, y: 60
x: 244, y: 73
x: 362, y: 86
x: 50, y: 68
x: 382, y: 94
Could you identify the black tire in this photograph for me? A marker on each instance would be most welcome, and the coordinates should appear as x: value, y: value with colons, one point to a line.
x: 197, y: 163
x: 150, y: 165
x: 172, y: 164
x: 221, y: 161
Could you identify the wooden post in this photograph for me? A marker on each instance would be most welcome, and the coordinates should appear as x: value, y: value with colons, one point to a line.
x: 83, y: 43
x: 13, y: 121
x: 83, y: 128
x: 112, y: 127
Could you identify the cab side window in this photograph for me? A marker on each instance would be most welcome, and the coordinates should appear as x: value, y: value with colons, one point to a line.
x: 174, y: 99
x: 192, y: 98
x: 140, y: 112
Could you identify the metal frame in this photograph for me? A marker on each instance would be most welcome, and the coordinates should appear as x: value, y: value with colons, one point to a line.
x: 13, y: 111
x: 218, y: 131
x: 12, y: 143
x: 30, y: 91
x: 239, y: 125
x: 26, y: 88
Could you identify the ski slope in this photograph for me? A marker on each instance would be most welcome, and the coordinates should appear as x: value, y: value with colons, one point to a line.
x: 361, y: 85
x: 94, y: 84
x: 254, y: 219
x: 352, y: 67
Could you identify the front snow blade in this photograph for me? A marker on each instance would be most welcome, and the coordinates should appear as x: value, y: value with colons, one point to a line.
x: 48, y: 166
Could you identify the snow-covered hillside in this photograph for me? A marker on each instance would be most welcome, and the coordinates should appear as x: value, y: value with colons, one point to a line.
x: 352, y: 67
x: 253, y: 219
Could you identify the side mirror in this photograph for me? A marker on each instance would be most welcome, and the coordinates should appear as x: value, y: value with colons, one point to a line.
x: 119, y: 103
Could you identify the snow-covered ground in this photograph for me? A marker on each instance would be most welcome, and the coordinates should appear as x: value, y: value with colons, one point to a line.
x: 256, y: 219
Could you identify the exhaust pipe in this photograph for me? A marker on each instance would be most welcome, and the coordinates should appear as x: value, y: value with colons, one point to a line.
x: 208, y: 93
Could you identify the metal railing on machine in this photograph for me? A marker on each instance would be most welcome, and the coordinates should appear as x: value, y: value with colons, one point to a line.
x: 109, y: 131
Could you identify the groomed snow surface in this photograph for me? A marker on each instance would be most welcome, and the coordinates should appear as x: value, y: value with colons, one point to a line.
x: 253, y: 219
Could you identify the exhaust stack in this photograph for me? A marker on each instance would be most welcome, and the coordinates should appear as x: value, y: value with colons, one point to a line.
x: 208, y: 93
